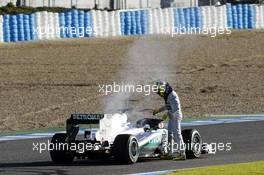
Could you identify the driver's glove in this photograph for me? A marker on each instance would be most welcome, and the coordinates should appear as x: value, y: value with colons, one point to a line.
x: 165, y: 117
x: 156, y: 111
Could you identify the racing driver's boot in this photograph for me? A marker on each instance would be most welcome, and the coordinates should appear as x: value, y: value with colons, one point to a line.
x: 180, y: 156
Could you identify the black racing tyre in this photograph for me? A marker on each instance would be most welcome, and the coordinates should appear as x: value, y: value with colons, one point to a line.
x: 193, y: 143
x: 125, y: 149
x: 58, y: 153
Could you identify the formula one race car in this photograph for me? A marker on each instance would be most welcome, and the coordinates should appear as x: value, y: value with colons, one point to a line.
x: 118, y: 139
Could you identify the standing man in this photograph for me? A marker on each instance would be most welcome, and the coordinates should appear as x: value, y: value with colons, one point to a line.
x: 174, y: 114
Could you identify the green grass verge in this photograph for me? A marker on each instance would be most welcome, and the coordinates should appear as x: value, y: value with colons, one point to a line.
x: 252, y: 168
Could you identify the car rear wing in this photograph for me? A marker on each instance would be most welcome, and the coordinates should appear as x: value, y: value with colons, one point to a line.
x: 85, y: 118
x: 72, y: 124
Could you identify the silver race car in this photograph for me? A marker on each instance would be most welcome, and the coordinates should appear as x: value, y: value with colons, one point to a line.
x: 116, y: 138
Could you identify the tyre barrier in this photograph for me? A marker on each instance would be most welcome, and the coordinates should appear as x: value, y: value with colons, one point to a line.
x: 134, y: 22
x: 241, y: 16
x: 259, y: 17
x: 17, y: 28
x: 188, y: 18
x: 47, y: 25
x: 79, y: 23
x: 1, y: 29
x: 214, y: 17
x: 74, y: 24
x: 105, y: 23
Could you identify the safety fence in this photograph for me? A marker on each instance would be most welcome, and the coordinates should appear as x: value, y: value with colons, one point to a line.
x: 78, y: 23
x: 1, y: 29
x: 17, y: 27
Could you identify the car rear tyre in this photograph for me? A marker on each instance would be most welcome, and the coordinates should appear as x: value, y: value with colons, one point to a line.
x: 193, y: 143
x: 126, y: 149
x: 59, y: 154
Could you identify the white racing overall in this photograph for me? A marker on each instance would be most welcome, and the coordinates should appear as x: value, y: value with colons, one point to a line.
x: 174, y: 125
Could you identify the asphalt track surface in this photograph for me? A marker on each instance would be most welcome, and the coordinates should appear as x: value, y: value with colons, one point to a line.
x: 247, y: 142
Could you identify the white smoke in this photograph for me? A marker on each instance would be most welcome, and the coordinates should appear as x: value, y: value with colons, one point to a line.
x: 146, y: 61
